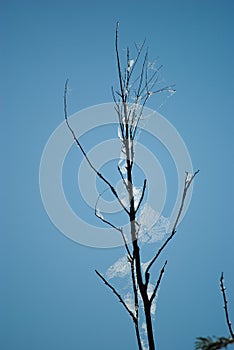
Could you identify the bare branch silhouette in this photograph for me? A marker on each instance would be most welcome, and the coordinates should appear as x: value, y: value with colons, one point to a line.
x: 85, y: 154
x: 119, y: 229
x: 223, y: 290
x: 118, y: 296
x: 215, y: 343
x: 142, y: 196
x: 158, y: 282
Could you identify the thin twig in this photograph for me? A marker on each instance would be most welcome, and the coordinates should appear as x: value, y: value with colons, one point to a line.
x: 85, y: 154
x: 139, y: 51
x: 118, y: 296
x: 225, y: 305
x: 158, y: 282
x: 142, y: 196
x: 118, y: 61
x: 119, y: 229
x: 142, y: 74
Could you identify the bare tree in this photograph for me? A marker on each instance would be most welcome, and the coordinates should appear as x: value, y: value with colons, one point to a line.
x: 137, y: 83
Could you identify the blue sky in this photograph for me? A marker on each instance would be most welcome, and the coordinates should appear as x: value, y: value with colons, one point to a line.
x: 50, y: 296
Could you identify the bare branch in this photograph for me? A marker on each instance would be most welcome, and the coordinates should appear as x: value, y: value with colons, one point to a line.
x: 225, y: 306
x: 139, y: 51
x: 119, y: 229
x: 101, y: 217
x: 85, y: 154
x: 166, y: 88
x: 118, y: 296
x: 158, y: 282
x: 142, y: 74
x: 186, y: 187
x: 118, y: 61
x: 152, y: 80
x: 142, y: 196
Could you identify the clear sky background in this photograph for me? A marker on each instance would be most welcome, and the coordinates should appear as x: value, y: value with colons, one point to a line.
x: 51, y: 298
